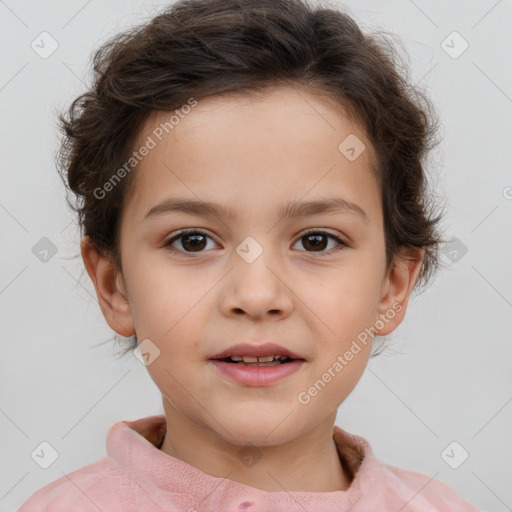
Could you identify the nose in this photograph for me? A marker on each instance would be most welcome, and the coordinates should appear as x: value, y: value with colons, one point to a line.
x: 256, y: 289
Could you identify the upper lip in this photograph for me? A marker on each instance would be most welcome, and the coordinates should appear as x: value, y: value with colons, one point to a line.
x: 256, y: 350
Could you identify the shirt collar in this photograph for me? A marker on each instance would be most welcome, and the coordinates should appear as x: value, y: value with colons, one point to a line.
x: 134, y: 445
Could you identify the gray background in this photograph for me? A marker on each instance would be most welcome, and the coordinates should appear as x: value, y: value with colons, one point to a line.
x: 449, y: 375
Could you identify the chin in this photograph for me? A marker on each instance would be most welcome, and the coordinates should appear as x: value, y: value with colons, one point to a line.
x: 256, y: 433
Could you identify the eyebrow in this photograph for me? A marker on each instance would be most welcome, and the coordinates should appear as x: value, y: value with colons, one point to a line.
x: 292, y: 209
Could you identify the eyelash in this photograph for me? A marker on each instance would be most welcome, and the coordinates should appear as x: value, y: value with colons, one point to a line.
x: 185, y: 232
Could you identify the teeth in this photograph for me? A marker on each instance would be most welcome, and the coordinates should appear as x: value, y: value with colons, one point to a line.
x: 263, y: 359
x: 266, y: 359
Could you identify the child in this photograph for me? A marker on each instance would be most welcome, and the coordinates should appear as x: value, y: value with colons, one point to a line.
x: 261, y: 128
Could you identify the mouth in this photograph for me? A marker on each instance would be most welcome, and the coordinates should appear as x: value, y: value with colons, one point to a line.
x: 266, y: 354
x: 273, y: 360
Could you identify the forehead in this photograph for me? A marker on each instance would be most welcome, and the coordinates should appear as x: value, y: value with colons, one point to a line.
x: 250, y: 151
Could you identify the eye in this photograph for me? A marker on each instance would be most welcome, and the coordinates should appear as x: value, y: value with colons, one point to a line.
x: 196, y: 241
x: 318, y: 240
x: 191, y: 241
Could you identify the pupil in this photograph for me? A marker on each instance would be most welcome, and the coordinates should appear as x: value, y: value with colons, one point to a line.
x: 316, y: 243
x: 196, y: 244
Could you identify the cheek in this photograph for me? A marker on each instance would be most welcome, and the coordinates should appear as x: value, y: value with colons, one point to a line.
x: 346, y: 309
x: 347, y: 301
x: 333, y: 381
x: 160, y: 299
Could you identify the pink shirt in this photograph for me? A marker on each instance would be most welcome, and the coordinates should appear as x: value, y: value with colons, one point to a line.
x: 136, y: 476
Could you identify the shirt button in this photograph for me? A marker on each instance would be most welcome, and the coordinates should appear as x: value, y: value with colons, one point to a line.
x: 246, y: 504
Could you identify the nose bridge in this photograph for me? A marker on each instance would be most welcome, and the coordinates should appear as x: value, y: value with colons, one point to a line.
x: 250, y: 250
x: 254, y: 259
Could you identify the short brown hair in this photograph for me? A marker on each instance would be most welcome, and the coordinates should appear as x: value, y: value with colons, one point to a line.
x: 202, y: 48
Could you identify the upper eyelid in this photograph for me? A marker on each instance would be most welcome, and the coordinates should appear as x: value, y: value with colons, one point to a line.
x: 186, y: 231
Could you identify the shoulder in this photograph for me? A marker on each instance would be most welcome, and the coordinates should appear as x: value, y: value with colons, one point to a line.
x: 83, y: 490
x: 379, y: 484
x: 424, y: 492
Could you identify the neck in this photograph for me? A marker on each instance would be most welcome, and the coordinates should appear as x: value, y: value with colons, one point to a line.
x: 310, y: 463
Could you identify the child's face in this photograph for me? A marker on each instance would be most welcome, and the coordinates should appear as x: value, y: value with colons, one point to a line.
x: 310, y: 295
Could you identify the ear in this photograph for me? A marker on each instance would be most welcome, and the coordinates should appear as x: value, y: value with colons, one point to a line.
x: 110, y: 289
x: 396, y: 289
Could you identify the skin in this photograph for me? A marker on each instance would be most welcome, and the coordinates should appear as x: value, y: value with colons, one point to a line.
x: 253, y: 154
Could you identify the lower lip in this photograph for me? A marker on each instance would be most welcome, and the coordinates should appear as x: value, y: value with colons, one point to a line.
x: 257, y: 375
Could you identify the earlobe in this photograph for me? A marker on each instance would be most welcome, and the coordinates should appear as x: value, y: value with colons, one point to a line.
x: 110, y: 289
x: 396, y: 289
